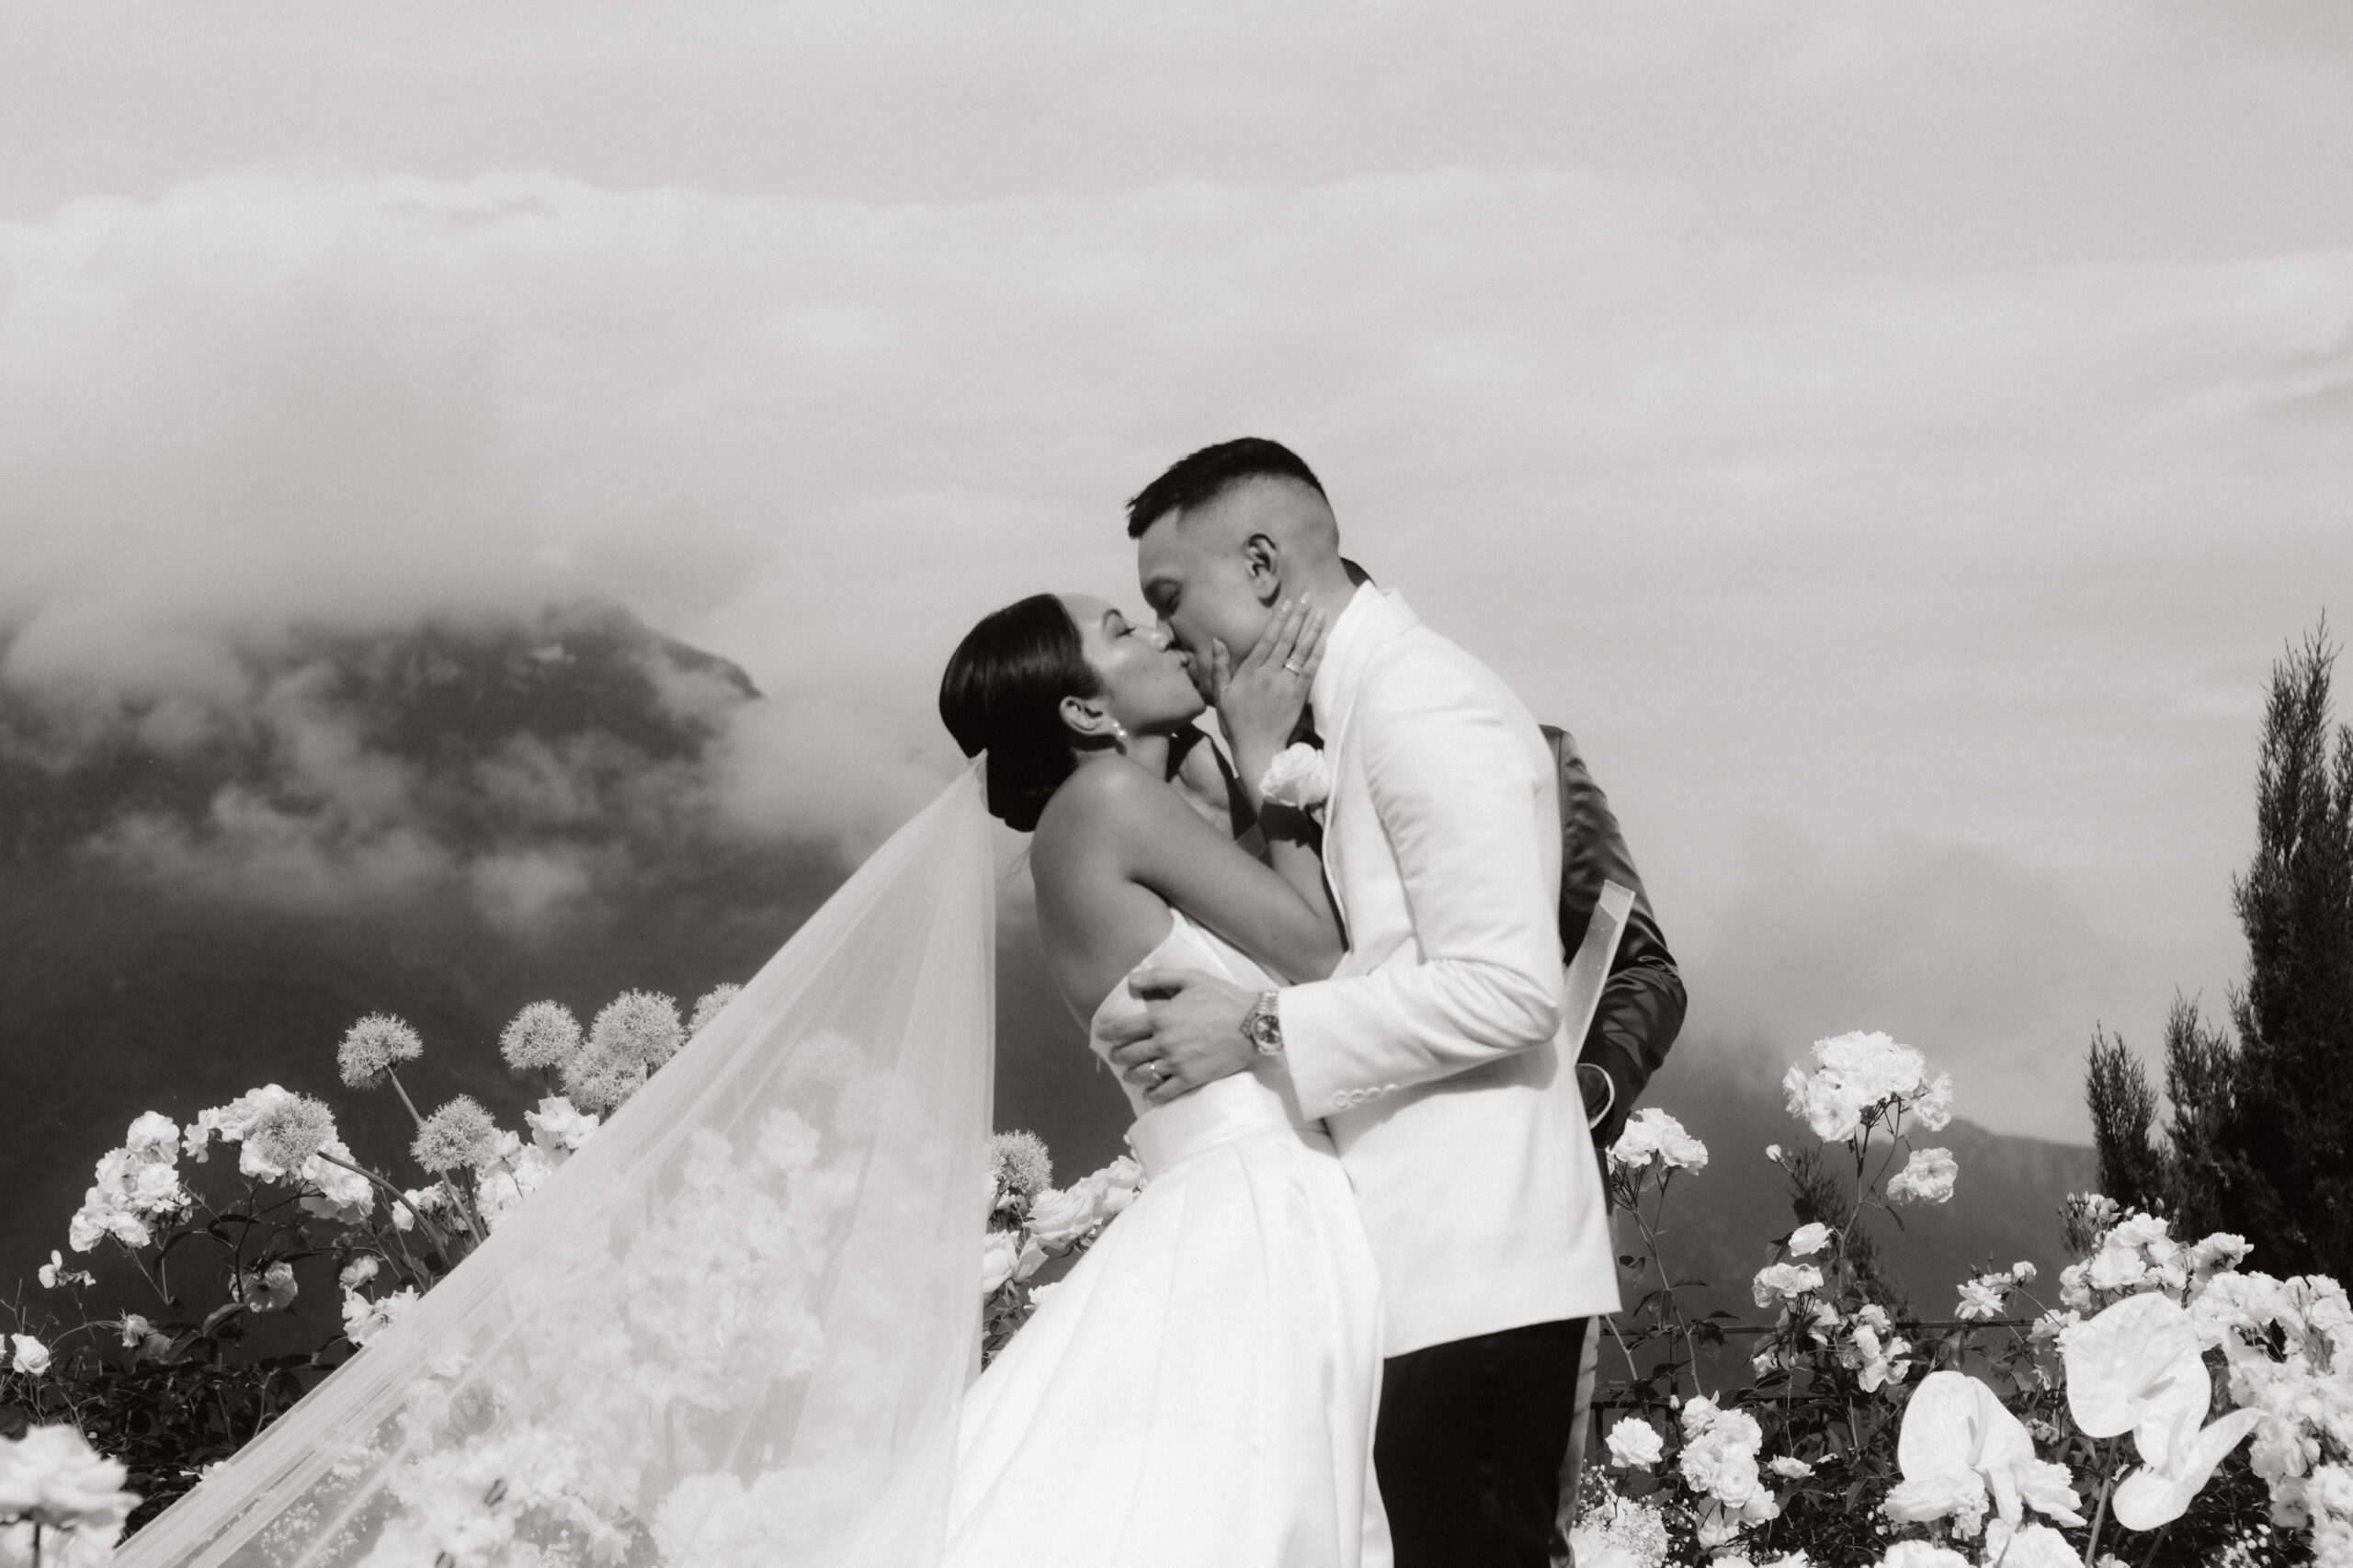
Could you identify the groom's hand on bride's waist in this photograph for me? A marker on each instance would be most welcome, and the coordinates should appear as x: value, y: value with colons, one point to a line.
x: 1190, y: 1032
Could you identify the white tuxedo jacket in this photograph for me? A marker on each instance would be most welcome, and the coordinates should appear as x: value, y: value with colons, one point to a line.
x: 1437, y: 1051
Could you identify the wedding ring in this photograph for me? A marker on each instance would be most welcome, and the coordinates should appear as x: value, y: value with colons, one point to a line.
x: 1294, y: 668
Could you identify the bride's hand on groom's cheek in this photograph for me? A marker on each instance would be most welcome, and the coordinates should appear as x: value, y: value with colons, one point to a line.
x: 1259, y: 699
x: 1190, y: 1033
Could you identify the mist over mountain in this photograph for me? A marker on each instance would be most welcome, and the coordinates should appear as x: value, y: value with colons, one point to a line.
x: 212, y: 865
x: 212, y: 870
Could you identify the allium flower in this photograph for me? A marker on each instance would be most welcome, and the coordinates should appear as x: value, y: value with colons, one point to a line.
x: 558, y: 1127
x: 291, y: 1132
x: 373, y: 1047
x: 709, y: 1004
x: 597, y: 1082
x: 1961, y: 1452
x: 2138, y: 1368
x: 364, y: 1319
x: 29, y: 1355
x: 1785, y: 1281
x: 460, y: 1134
x: 1634, y: 1444
x: 1808, y: 1238
x: 1019, y: 1165
x: 53, y: 1478
x: 1652, y: 1135
x: 269, y: 1290
x: 544, y: 1035
x: 1926, y: 1177
x: 638, y: 1027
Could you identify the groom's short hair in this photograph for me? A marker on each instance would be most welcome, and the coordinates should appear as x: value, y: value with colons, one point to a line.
x: 1199, y: 478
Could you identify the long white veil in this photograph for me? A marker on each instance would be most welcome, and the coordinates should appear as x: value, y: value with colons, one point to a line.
x: 734, y: 1328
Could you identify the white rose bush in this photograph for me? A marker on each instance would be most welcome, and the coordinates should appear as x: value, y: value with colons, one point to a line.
x: 236, y: 1223
x: 2169, y: 1407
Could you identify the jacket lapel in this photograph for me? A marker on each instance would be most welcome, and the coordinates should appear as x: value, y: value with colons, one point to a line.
x: 1372, y: 620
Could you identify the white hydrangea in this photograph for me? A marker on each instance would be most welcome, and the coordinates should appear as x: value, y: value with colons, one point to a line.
x: 1653, y: 1136
x: 1926, y: 1177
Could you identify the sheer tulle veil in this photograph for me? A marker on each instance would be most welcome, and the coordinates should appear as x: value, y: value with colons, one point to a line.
x: 734, y: 1329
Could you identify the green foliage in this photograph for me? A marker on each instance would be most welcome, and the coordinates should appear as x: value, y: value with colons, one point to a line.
x: 2261, y: 1137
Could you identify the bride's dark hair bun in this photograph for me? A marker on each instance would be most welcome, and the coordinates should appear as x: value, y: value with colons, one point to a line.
x: 1003, y: 694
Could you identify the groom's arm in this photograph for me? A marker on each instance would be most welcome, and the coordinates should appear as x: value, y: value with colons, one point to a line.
x: 1465, y: 799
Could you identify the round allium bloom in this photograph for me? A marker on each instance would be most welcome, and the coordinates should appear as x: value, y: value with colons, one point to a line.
x: 709, y: 1007
x: 594, y: 1081
x: 1019, y: 1165
x: 542, y: 1035
x: 373, y: 1047
x: 291, y: 1132
x: 1926, y: 1177
x: 460, y: 1134
x: 638, y: 1027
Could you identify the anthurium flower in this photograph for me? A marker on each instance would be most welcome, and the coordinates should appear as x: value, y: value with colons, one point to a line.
x: 2137, y: 1367
x: 1960, y: 1451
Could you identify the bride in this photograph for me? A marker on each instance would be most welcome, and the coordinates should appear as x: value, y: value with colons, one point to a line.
x: 738, y: 1328
x: 1201, y: 1388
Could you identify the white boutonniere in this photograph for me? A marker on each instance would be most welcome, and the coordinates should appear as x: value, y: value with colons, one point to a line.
x: 1300, y: 778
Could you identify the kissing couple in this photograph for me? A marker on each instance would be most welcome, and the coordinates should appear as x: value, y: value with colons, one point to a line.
x: 1344, y: 1322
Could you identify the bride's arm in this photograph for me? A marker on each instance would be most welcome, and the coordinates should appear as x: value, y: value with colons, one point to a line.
x: 1158, y: 842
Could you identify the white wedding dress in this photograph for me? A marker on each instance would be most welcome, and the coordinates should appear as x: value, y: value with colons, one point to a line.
x: 1200, y: 1391
x: 739, y: 1328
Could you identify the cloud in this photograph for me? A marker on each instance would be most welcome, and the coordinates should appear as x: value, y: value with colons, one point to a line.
x: 1996, y: 968
x: 1888, y: 423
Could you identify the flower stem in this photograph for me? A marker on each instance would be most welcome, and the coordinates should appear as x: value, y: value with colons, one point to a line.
x: 2100, y: 1512
x: 402, y: 1089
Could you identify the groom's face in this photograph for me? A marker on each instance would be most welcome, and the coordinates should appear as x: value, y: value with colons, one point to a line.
x: 1198, y: 575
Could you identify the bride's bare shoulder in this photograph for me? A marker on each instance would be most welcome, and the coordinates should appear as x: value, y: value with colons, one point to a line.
x: 1101, y: 795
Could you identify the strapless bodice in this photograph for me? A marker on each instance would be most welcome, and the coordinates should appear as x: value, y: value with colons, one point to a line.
x: 1259, y: 1100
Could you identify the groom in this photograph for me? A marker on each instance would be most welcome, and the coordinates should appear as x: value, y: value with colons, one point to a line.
x: 1437, y: 1051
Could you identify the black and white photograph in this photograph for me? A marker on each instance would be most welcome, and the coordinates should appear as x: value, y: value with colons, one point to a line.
x: 928, y: 785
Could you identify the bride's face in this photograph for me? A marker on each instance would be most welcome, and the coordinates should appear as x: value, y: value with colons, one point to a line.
x: 1147, y: 680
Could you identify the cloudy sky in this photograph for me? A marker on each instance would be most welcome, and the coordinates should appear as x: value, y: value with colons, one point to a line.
x: 1896, y: 439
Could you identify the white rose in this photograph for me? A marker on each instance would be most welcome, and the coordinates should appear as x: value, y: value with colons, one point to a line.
x: 1297, y: 776
x: 1000, y: 1254
x: 1634, y: 1444
x: 1809, y: 1239
x: 1780, y: 1281
x: 1926, y: 1177
x: 1059, y: 1216
x: 32, y: 1356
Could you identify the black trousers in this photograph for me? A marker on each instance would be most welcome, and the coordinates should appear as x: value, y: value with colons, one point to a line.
x: 1470, y: 1444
